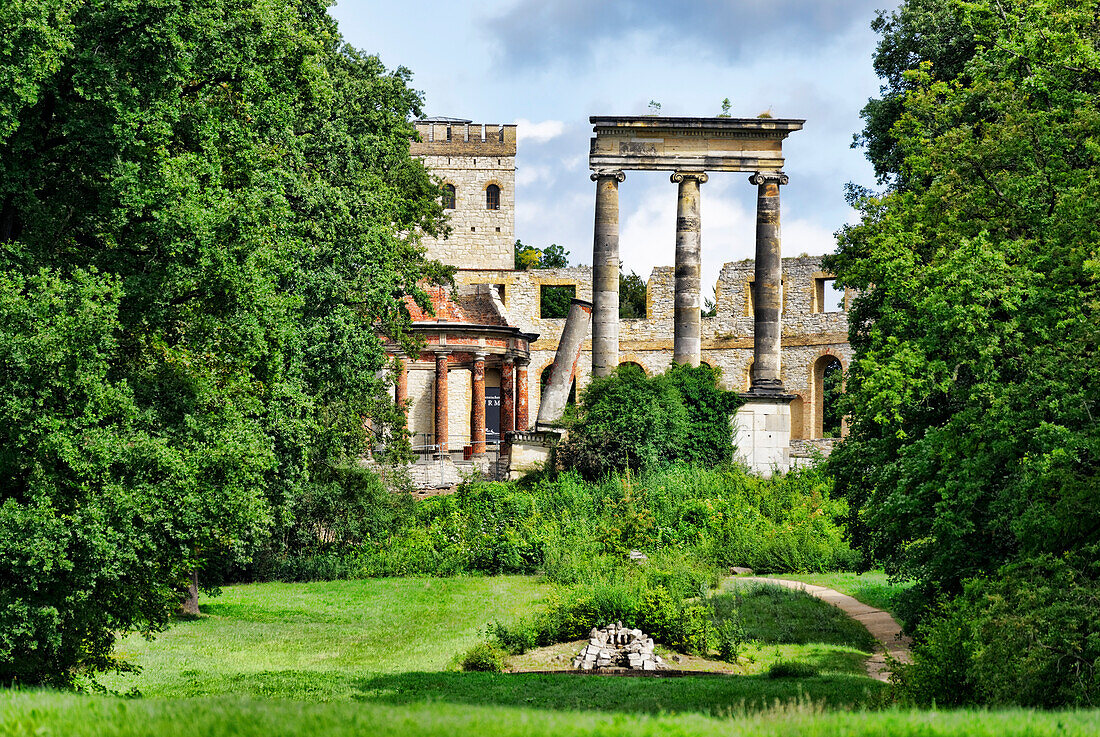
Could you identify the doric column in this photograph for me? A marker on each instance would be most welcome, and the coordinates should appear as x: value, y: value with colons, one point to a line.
x: 507, y: 397
x: 477, y: 401
x: 605, y: 273
x: 522, y: 411
x: 687, y: 347
x: 767, y: 298
x: 441, y: 402
x: 401, y: 384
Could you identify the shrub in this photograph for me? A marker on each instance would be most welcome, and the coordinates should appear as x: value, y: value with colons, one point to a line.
x: 483, y: 657
x: 1027, y: 636
x: 624, y: 421
x: 731, y: 638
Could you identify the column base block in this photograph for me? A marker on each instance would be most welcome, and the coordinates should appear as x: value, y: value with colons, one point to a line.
x: 762, y: 433
x: 530, y: 450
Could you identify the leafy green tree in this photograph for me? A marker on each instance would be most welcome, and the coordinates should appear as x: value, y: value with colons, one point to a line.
x: 208, y: 214
x: 529, y: 257
x: 555, y: 300
x: 632, y: 296
x: 919, y: 31
x: 974, y: 435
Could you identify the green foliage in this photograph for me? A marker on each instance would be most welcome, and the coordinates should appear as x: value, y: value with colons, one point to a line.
x: 100, y: 518
x: 657, y: 597
x: 573, y: 530
x: 833, y: 388
x: 1026, y: 636
x: 555, y: 300
x: 974, y: 441
x: 932, y: 31
x: 483, y: 657
x: 624, y: 421
x: 529, y: 257
x: 207, y: 214
x: 629, y: 421
x: 632, y: 296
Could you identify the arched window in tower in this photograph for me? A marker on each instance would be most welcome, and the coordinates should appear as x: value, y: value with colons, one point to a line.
x: 492, y: 197
x: 448, y: 197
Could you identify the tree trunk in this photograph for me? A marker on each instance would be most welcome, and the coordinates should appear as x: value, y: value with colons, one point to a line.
x: 190, y: 605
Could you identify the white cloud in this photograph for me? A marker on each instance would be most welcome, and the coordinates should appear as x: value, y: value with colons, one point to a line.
x: 804, y: 236
x: 547, y: 130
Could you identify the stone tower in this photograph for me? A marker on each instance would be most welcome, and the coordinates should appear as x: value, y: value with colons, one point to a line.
x: 477, y: 164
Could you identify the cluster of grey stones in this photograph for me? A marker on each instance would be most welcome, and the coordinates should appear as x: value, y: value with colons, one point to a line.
x: 615, y: 646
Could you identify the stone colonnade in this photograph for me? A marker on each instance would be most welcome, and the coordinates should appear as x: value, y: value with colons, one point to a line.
x: 687, y: 344
x: 513, y: 401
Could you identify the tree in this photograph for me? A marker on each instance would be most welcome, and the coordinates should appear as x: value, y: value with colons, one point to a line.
x: 632, y: 296
x: 529, y: 257
x: 919, y: 31
x: 208, y: 214
x: 555, y: 299
x: 973, y: 440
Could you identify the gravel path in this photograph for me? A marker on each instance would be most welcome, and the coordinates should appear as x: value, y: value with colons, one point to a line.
x: 882, y: 626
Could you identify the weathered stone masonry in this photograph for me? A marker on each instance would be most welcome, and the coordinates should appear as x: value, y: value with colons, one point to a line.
x: 489, y: 337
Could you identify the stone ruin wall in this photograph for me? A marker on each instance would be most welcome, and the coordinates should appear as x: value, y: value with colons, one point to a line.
x: 808, y: 333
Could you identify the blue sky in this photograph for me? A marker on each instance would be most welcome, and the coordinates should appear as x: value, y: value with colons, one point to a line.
x: 547, y: 65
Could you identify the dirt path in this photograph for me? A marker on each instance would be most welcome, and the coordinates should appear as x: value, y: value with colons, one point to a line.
x: 882, y: 626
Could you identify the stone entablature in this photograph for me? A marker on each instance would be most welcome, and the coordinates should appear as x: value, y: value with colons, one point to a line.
x: 656, y: 143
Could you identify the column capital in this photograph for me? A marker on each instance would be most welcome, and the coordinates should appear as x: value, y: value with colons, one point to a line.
x: 480, y: 355
x: 617, y: 174
x: 679, y: 176
x: 521, y: 360
x: 768, y: 177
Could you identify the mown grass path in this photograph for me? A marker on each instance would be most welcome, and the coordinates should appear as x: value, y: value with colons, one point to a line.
x: 881, y: 624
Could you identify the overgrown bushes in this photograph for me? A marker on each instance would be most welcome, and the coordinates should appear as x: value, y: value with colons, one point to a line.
x: 722, y: 517
x: 564, y: 525
x: 1028, y: 636
x: 629, y: 421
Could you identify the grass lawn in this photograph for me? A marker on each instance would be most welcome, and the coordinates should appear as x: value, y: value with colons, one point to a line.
x: 24, y: 714
x: 263, y: 657
x: 872, y: 588
x: 390, y: 641
x: 771, y: 614
x: 311, y: 640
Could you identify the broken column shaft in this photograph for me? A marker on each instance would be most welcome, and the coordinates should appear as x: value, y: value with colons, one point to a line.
x: 556, y: 394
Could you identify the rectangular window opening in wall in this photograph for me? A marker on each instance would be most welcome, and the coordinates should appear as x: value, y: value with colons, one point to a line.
x: 827, y: 296
x: 554, y: 300
x: 498, y: 228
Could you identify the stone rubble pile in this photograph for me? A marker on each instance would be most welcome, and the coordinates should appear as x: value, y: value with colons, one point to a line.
x: 615, y: 646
